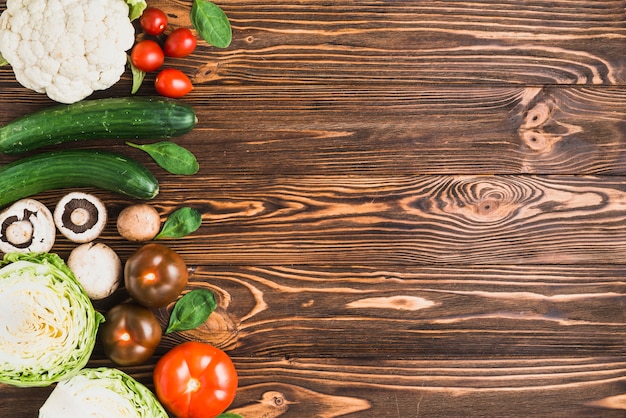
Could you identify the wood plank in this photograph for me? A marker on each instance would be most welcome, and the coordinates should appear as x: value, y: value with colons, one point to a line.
x: 577, y: 386
x: 393, y: 220
x: 415, y: 130
x: 451, y: 42
x: 493, y: 311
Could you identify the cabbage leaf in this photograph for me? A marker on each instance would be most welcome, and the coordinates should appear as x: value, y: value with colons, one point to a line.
x: 48, y: 325
x: 101, y: 392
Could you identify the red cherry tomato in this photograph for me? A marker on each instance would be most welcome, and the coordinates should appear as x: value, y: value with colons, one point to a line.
x: 195, y: 380
x: 130, y: 334
x: 147, y: 55
x: 172, y: 83
x: 180, y: 43
x: 153, y: 21
x: 155, y: 275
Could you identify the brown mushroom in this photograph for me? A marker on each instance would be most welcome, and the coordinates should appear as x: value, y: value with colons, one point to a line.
x: 26, y: 226
x: 139, y: 222
x: 80, y: 217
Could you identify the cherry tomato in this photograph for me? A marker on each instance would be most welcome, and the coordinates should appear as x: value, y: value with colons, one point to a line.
x: 147, y: 55
x: 153, y: 21
x: 130, y: 334
x: 195, y: 380
x: 180, y: 43
x: 155, y: 275
x: 172, y: 83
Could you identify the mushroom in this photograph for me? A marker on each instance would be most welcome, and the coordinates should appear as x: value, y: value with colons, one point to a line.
x: 80, y: 217
x: 139, y: 222
x: 26, y: 226
x: 97, y: 267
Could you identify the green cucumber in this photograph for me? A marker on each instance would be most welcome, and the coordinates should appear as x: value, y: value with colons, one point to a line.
x: 75, y: 168
x: 133, y: 117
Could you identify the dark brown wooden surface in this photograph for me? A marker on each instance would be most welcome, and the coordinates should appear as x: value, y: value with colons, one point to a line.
x: 411, y: 208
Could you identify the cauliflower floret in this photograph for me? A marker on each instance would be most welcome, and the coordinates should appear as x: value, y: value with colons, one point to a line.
x: 66, y: 48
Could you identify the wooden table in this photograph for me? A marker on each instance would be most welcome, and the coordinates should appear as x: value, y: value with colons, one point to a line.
x: 410, y: 208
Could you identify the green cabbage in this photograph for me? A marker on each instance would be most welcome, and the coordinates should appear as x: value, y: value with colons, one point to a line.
x: 102, y: 392
x: 48, y: 325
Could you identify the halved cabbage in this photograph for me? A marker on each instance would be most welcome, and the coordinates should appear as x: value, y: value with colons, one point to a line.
x: 101, y: 392
x: 48, y: 325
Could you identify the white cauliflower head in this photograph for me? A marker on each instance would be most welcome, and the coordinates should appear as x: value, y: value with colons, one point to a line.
x: 66, y: 48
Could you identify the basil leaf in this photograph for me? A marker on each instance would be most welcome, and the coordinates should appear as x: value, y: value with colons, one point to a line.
x: 191, y: 310
x: 171, y: 157
x: 138, y: 76
x: 182, y: 222
x: 135, y: 8
x: 228, y: 415
x: 211, y: 23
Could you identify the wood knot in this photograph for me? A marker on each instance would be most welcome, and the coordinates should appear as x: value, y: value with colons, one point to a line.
x: 533, y: 131
x: 206, y: 73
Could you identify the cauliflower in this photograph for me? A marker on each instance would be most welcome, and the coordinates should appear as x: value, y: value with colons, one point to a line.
x: 66, y: 48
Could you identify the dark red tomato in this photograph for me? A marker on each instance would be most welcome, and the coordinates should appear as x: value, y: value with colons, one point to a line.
x: 172, y: 83
x: 153, y: 21
x: 180, y: 43
x: 195, y: 380
x: 130, y: 334
x: 147, y: 55
x: 155, y: 275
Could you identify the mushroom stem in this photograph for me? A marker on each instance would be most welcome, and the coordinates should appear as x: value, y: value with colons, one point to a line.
x: 20, y: 232
x: 79, y: 216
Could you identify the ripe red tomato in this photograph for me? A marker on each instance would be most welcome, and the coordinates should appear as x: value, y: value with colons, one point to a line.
x: 147, y: 55
x: 180, y: 43
x: 195, y: 380
x: 130, y: 334
x: 172, y: 83
x: 153, y: 21
x: 155, y: 275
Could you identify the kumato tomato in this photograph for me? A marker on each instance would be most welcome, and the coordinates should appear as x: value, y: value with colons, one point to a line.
x: 153, y: 21
x: 130, y: 334
x: 195, y: 380
x: 180, y: 43
x: 155, y: 275
x: 172, y: 83
x: 147, y: 55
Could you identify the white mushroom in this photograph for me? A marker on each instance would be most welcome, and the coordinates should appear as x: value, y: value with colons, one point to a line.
x: 97, y: 267
x: 26, y: 226
x: 80, y: 217
x: 139, y: 222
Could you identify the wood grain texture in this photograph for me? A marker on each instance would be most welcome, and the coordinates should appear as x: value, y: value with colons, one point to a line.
x: 410, y: 208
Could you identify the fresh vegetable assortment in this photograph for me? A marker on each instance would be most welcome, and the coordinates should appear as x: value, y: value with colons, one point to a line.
x: 48, y: 324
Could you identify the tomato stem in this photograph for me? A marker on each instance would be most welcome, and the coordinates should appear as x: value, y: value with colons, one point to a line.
x: 193, y: 385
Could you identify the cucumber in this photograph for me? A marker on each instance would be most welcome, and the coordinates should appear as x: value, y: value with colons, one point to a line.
x: 75, y: 168
x: 133, y: 117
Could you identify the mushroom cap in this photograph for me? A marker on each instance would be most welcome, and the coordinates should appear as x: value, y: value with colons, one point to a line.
x: 97, y: 267
x: 139, y: 222
x: 80, y: 217
x: 26, y: 226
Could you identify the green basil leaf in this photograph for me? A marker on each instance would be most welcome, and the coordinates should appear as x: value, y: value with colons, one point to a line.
x: 136, y: 8
x: 211, y: 23
x: 138, y: 76
x: 228, y: 415
x: 191, y: 310
x: 182, y: 222
x: 171, y: 157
